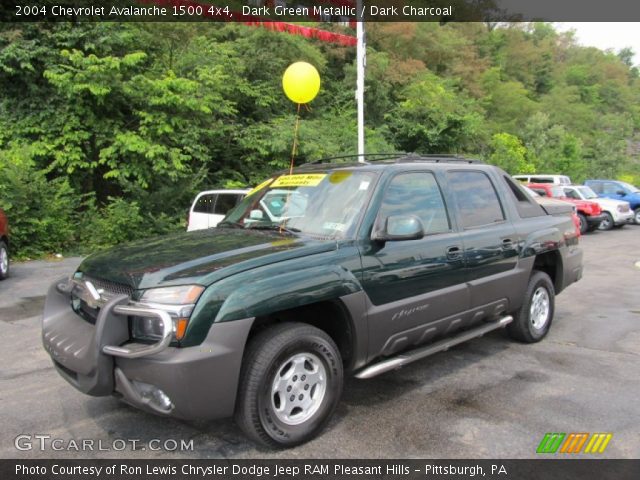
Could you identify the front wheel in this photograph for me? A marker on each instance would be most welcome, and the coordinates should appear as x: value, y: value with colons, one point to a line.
x: 290, y: 385
x: 636, y: 217
x: 607, y: 222
x: 583, y: 223
x: 532, y: 322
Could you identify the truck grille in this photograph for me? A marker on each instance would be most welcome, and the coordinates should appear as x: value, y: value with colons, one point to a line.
x: 107, y: 290
x: 110, y: 289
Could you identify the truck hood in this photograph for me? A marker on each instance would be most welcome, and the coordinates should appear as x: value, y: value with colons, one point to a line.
x: 191, y: 257
x: 608, y: 203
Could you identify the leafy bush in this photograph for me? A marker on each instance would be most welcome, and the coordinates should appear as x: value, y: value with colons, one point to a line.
x: 41, y: 212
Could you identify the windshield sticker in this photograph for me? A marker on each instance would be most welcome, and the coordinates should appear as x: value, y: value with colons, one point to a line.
x: 364, y: 185
x: 308, y: 180
x: 260, y: 187
x: 338, y: 227
x: 338, y: 177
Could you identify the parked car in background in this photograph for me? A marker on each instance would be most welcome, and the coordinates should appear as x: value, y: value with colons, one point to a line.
x: 616, y: 213
x: 589, y: 212
x: 618, y: 191
x: 4, y: 245
x: 555, y: 207
x: 211, y: 206
x: 542, y: 178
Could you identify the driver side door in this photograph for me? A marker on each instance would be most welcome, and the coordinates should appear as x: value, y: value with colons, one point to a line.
x: 415, y: 287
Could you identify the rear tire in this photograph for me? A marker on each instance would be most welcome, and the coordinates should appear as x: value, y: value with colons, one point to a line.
x: 532, y: 322
x: 4, y: 260
x: 290, y: 385
x: 607, y: 222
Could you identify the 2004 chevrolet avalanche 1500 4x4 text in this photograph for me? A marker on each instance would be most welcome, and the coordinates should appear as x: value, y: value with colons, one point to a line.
x: 366, y: 267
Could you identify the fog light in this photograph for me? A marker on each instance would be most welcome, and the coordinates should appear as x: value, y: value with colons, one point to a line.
x: 154, y: 396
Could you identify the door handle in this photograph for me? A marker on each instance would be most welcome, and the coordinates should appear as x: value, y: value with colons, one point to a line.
x: 454, y: 252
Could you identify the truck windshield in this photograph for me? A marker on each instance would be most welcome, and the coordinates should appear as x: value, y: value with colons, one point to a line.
x: 324, y: 205
x: 629, y: 187
x: 587, y: 193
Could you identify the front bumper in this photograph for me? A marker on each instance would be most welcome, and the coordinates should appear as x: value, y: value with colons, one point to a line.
x: 594, y: 220
x: 200, y: 382
x: 624, y: 218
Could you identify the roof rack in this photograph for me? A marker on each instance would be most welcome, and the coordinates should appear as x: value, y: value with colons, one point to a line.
x: 436, y: 158
x: 381, y: 156
x: 400, y: 157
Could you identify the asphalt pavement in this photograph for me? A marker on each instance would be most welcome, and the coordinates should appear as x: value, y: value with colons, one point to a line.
x: 489, y: 398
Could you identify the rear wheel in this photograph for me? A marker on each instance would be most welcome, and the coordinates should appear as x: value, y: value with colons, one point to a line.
x: 532, y: 322
x: 607, y: 222
x: 4, y: 260
x: 290, y: 385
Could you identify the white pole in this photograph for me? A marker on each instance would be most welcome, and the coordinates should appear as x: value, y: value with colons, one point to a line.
x: 361, y: 61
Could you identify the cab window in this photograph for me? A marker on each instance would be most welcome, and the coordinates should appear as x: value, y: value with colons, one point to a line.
x: 416, y: 193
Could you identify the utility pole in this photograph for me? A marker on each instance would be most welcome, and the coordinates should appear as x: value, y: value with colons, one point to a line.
x: 361, y: 62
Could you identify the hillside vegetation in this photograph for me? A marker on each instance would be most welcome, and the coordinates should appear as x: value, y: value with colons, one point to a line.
x: 107, y: 129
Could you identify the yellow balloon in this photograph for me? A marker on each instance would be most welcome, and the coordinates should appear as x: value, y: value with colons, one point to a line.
x: 301, y: 82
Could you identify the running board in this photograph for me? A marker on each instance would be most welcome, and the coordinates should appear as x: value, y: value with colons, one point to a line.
x: 441, y: 346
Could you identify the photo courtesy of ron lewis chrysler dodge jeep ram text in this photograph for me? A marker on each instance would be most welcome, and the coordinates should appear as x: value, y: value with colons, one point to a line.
x: 368, y: 267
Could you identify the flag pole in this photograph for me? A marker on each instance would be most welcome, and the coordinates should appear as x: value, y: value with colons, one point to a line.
x: 361, y: 61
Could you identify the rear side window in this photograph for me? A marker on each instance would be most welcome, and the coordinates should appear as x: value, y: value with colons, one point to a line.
x: 476, y: 197
x: 541, y: 180
x: 225, y: 202
x: 205, y: 203
x: 416, y: 193
x: 527, y: 207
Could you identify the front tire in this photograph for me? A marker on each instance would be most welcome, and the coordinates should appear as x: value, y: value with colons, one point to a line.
x: 607, y: 222
x: 4, y: 260
x: 290, y: 385
x: 636, y: 217
x: 532, y: 322
x: 583, y: 223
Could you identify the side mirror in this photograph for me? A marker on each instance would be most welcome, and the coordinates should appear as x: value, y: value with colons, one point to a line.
x: 399, y: 227
x: 622, y: 193
x: 256, y: 215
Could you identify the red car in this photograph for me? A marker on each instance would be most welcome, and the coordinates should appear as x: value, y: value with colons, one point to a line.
x: 4, y: 245
x: 589, y: 213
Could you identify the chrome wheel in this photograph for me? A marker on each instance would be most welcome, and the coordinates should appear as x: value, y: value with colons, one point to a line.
x: 298, y: 388
x: 4, y: 261
x: 539, y: 309
x: 607, y: 222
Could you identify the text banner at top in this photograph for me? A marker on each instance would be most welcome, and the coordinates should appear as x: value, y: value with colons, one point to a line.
x: 344, y: 12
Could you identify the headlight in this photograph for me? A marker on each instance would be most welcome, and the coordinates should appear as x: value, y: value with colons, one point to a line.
x: 178, y: 302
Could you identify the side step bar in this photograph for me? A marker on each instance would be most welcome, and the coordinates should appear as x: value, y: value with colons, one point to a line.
x: 422, y: 352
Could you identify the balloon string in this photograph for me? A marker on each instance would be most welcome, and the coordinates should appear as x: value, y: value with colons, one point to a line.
x: 294, y: 149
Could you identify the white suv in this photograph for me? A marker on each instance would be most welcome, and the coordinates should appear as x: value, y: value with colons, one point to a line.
x: 617, y: 213
x: 534, y: 178
x: 211, y: 206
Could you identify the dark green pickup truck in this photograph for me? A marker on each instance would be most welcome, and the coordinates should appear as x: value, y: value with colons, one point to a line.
x: 339, y: 268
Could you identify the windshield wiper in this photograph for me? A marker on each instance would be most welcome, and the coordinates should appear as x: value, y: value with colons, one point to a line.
x: 273, y: 226
x: 230, y: 225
